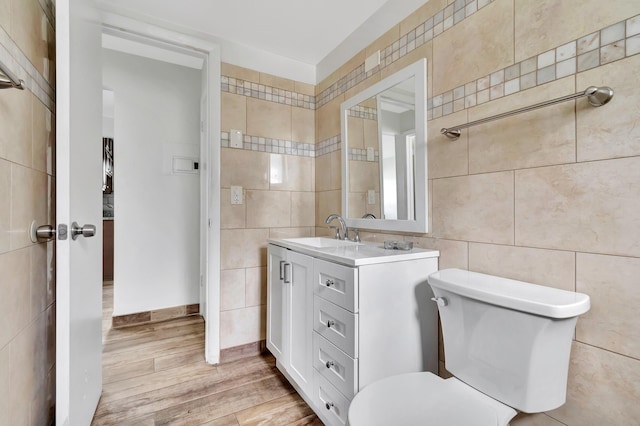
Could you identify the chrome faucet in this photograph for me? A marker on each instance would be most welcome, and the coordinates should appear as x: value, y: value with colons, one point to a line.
x: 369, y: 216
x: 343, y: 225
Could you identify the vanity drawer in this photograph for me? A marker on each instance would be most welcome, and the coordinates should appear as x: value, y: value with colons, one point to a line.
x: 337, y: 325
x: 336, y: 283
x: 330, y: 401
x: 334, y: 365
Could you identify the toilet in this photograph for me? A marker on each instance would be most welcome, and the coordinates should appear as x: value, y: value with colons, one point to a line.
x: 507, y: 344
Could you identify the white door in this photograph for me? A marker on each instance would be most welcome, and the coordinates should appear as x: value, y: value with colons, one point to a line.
x: 79, y: 199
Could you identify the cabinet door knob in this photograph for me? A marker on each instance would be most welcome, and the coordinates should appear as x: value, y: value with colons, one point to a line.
x: 329, y: 364
x: 330, y: 323
x: 329, y: 283
x: 328, y: 405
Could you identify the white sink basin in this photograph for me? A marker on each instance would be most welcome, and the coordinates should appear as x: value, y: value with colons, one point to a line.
x: 319, y: 242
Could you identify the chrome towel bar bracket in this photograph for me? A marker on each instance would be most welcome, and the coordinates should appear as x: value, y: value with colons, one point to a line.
x: 9, y: 80
x: 597, y: 96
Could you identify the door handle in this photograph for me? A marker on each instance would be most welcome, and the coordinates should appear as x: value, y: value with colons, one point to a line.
x: 282, y: 263
x: 86, y: 230
x: 287, y: 277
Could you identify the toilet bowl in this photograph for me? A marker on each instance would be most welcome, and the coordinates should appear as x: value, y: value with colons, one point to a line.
x: 507, y: 344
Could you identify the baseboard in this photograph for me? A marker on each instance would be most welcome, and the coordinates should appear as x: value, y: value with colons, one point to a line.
x: 243, y: 351
x: 139, y: 318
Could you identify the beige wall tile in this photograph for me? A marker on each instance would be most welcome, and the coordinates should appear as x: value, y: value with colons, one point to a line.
x: 29, y: 201
x: 233, y: 112
x: 268, y: 119
x: 453, y: 254
x: 370, y: 134
x: 232, y: 289
x: 5, y: 207
x: 268, y: 209
x: 474, y: 48
x: 612, y: 283
x: 357, y: 204
x: 14, y: 301
x: 291, y: 232
x: 5, y: 380
x: 29, y: 27
x: 538, y: 138
x: 424, y: 51
x: 291, y: 173
x: 279, y: 82
x: 242, y: 326
x: 590, y: 207
x: 5, y: 17
x: 382, y: 42
x: 304, y: 88
x: 474, y: 208
x: 550, y: 268
x: 328, y: 119
x: 239, y: 72
x: 598, y: 379
x: 355, y: 133
x: 25, y: 373
x: 364, y: 84
x: 244, y: 168
x: 351, y: 64
x: 44, y: 136
x: 363, y: 176
x: 243, y: 248
x: 327, y: 202
x: 15, y: 126
x: 303, y: 125
x: 421, y: 14
x: 543, y: 25
x: 323, y: 173
x: 231, y: 215
x: 336, y: 170
x: 446, y: 157
x: 42, y: 277
x: 256, y: 286
x: 303, y: 209
x: 612, y: 131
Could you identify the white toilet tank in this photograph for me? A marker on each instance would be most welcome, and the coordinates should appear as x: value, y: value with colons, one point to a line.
x: 508, y: 339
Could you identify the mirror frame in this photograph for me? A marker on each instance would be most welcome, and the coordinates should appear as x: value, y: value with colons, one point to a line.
x: 420, y: 224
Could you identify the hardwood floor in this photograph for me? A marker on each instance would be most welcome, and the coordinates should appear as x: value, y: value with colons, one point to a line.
x: 155, y: 374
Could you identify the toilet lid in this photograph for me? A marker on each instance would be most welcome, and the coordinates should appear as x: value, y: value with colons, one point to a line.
x: 425, y: 399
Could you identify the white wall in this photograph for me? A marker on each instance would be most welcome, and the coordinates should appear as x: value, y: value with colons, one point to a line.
x: 156, y: 247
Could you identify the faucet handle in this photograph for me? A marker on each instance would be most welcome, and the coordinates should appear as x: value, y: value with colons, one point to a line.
x: 336, y: 232
x: 356, y: 237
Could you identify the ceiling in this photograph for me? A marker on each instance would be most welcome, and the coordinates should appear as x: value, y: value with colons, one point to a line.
x: 301, y: 31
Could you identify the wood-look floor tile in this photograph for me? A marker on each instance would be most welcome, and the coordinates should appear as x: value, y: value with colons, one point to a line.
x: 229, y: 420
x: 281, y: 411
x: 224, y: 403
x: 166, y: 362
x: 124, y: 371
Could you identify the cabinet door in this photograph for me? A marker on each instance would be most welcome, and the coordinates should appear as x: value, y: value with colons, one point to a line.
x: 300, y: 319
x: 276, y: 297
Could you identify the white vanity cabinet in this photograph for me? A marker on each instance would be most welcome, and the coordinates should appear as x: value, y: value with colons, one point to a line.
x: 367, y: 314
x: 288, y: 317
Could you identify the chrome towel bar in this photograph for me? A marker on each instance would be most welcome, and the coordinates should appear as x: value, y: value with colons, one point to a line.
x: 8, y: 79
x: 597, y: 96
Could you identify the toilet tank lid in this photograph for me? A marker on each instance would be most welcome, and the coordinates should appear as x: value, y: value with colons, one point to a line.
x: 512, y: 294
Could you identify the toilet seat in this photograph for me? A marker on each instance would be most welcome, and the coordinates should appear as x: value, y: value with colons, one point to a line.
x: 425, y: 399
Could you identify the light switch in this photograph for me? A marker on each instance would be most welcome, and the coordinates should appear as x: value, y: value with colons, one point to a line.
x: 236, y: 195
x: 235, y: 139
x: 371, y: 197
x: 370, y: 154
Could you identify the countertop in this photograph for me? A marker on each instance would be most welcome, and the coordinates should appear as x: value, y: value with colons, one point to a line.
x: 364, y: 253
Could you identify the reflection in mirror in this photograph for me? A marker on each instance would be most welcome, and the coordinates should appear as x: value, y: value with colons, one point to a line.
x: 384, y: 158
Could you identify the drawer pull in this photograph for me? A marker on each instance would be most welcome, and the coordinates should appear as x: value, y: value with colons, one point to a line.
x: 330, y: 323
x: 329, y: 364
x: 329, y: 283
x: 328, y: 405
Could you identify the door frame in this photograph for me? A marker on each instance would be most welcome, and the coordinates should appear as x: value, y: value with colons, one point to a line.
x: 125, y: 27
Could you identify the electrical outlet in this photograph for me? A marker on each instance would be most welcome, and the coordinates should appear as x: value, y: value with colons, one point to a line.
x: 235, y: 139
x: 236, y: 195
x: 371, y: 155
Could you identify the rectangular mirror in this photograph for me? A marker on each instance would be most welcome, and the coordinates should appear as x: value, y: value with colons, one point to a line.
x: 384, y: 154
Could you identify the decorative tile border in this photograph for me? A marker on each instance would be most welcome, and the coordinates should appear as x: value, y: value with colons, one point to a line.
x: 328, y: 146
x: 363, y: 112
x: 19, y: 64
x: 275, y: 146
x: 443, y: 20
x: 267, y: 93
x: 356, y: 154
x: 617, y: 41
